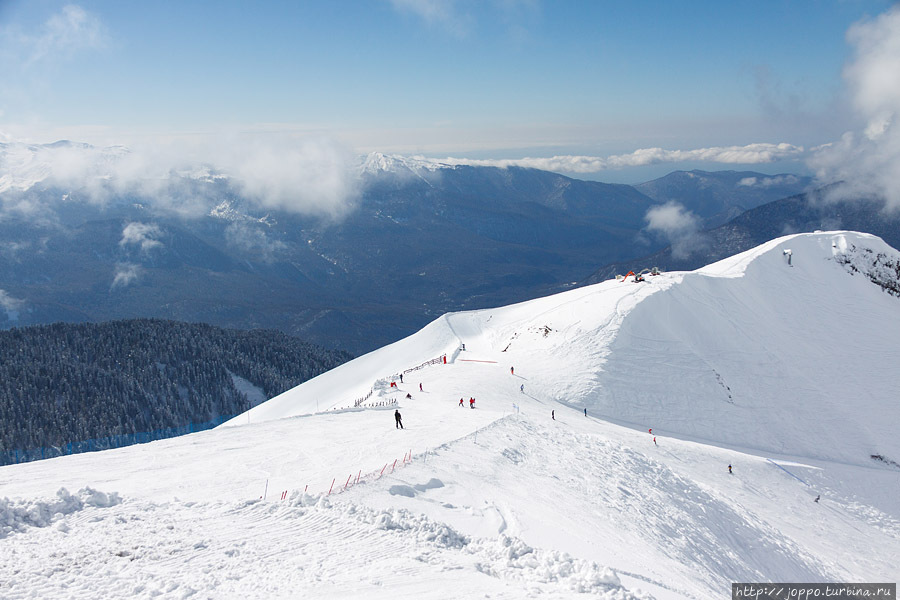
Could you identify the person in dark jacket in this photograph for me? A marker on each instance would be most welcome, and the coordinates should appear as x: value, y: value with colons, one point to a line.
x: 398, y: 419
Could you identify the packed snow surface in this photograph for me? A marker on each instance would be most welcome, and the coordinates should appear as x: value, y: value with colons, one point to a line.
x: 594, y: 462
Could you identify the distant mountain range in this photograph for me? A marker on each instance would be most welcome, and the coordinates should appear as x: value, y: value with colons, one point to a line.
x: 423, y: 238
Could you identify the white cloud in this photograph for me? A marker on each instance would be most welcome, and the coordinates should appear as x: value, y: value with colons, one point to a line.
x: 678, y: 225
x: 749, y: 154
x: 446, y: 13
x: 252, y: 238
x: 62, y: 35
x: 71, y: 29
x: 312, y: 176
x: 462, y: 17
x: 768, y: 181
x: 125, y: 274
x: 671, y: 218
x: 315, y: 176
x: 429, y: 10
x: 142, y: 235
x: 8, y: 303
x: 869, y: 161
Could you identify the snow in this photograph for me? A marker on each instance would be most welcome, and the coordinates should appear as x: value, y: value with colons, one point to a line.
x: 377, y: 162
x: 787, y: 373
x: 255, y: 395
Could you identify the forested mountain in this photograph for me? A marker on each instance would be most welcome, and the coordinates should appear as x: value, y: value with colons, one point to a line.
x: 63, y: 383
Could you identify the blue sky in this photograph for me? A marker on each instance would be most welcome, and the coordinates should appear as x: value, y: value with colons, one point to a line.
x: 480, y: 79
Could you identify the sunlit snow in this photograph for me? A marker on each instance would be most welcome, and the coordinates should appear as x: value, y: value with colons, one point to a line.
x: 597, y: 467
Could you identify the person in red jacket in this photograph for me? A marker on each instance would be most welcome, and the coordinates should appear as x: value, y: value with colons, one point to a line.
x: 471, y: 402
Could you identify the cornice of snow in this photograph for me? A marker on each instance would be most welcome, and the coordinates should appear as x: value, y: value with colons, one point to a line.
x: 736, y: 266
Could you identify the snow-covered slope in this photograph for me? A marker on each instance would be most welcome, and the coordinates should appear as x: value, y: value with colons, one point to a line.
x: 553, y: 486
x: 751, y: 352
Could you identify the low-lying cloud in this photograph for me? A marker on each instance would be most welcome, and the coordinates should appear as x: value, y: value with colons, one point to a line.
x: 9, y: 303
x: 125, y: 274
x: 678, y: 225
x: 252, y: 238
x: 868, y: 161
x: 765, y: 182
x: 314, y: 176
x: 141, y: 235
x: 318, y: 177
x: 758, y: 153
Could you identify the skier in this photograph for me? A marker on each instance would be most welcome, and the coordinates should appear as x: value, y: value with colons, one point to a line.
x: 408, y: 396
x: 512, y: 371
x: 471, y: 402
x: 460, y: 401
x: 522, y: 388
x: 729, y: 470
x: 585, y: 414
x: 650, y: 431
x: 654, y: 441
x: 401, y: 377
x: 420, y: 387
x: 397, y: 418
x: 553, y: 414
x: 817, y: 498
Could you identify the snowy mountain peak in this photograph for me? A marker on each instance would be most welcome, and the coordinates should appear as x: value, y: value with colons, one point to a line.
x: 376, y: 162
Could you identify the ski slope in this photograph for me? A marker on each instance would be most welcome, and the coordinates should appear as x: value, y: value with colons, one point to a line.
x: 786, y: 372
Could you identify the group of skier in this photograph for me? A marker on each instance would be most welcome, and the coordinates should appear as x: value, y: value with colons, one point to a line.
x: 471, y: 402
